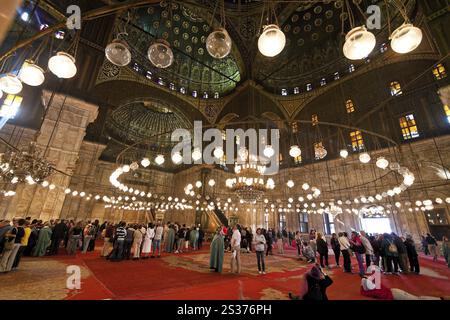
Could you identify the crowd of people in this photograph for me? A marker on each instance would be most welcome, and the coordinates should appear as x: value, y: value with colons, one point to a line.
x: 122, y: 241
x: 26, y: 237
x: 392, y: 253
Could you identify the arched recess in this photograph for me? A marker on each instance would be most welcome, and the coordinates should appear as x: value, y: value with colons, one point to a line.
x: 251, y: 101
x: 226, y: 119
x: 120, y: 92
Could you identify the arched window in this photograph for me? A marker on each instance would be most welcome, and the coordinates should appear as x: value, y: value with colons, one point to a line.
x: 396, y: 88
x: 447, y: 112
x: 10, y: 106
x: 357, y: 140
x: 349, y: 106
x: 439, y: 72
x: 409, y: 127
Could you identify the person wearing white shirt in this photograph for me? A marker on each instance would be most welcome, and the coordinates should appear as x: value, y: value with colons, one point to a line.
x: 236, y: 250
x: 345, y: 247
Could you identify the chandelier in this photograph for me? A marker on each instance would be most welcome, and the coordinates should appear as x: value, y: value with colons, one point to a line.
x: 24, y: 166
x: 249, y: 184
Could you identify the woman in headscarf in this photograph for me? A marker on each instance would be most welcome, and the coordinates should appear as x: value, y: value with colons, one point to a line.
x: 44, y: 240
x: 217, y: 251
x: 170, y: 239
x: 317, y: 283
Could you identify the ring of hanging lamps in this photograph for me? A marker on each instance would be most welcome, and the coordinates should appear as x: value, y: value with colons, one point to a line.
x: 359, y: 43
x: 406, y: 38
x: 218, y: 43
x: 31, y: 74
x: 62, y: 65
x: 295, y: 151
x: 271, y: 41
x: 10, y: 84
x: 118, y: 53
x: 160, y: 54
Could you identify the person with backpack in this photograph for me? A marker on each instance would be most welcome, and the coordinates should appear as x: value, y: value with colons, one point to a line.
x: 390, y: 253
x: 402, y: 253
x: 359, y: 250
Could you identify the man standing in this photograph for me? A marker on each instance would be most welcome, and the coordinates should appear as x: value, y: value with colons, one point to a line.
x: 59, y: 232
x: 157, y: 240
x: 236, y: 250
x: 369, y: 249
x: 120, y: 236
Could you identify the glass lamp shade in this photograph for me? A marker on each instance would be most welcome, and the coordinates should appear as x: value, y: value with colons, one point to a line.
x: 364, y: 157
x: 177, y: 158
x: 359, y: 43
x: 159, y: 159
x: 320, y: 152
x: 219, y: 43
x: 406, y: 38
x: 10, y: 84
x: 145, y: 162
x: 118, y: 53
x: 31, y: 74
x: 295, y: 151
x: 343, y: 153
x: 382, y: 163
x: 272, y: 41
x: 62, y: 65
x: 218, y: 152
x: 196, y: 154
x: 269, y: 151
x: 160, y: 54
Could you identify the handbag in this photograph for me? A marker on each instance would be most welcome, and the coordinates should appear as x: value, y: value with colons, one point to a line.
x: 392, y: 248
x: 9, y: 245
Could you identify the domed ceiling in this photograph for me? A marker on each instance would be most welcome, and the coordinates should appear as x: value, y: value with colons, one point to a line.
x: 147, y: 119
x: 314, y: 38
x: 146, y: 124
x: 186, y: 32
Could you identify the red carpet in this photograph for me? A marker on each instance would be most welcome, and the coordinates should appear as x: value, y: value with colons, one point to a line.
x: 158, y: 279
